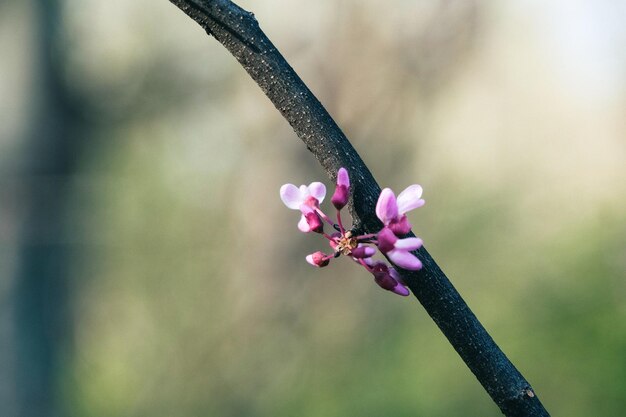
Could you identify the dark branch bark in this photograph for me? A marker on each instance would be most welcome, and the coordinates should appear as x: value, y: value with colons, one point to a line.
x: 239, y: 32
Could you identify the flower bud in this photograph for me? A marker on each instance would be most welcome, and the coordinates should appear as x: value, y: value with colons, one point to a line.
x: 362, y: 252
x: 318, y: 259
x: 401, y: 290
x: 342, y: 192
x: 340, y: 197
x: 384, y: 277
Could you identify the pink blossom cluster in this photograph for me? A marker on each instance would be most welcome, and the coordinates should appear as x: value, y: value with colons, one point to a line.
x: 391, y: 211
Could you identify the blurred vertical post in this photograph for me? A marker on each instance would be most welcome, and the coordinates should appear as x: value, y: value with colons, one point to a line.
x: 42, y: 290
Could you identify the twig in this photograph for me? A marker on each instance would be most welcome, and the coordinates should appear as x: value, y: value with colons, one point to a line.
x: 240, y: 33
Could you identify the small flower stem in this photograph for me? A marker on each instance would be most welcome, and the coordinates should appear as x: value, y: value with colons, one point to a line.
x: 366, y: 266
x: 325, y: 217
x: 341, y: 229
x: 327, y: 236
x: 366, y: 237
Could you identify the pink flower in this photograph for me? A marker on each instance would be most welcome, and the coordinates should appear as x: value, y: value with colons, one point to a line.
x: 392, y: 211
x: 342, y: 191
x: 300, y: 198
x: 360, y: 248
x: 399, y: 250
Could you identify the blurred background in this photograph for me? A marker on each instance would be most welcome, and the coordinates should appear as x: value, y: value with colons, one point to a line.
x: 148, y: 266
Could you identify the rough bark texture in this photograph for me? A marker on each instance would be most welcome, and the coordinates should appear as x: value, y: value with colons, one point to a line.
x: 240, y: 33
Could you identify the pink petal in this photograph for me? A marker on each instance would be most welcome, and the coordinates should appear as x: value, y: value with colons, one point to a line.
x: 309, y: 259
x: 384, y: 280
x: 369, y: 251
x: 303, y: 225
x: 342, y: 177
x: 409, y: 244
x: 400, y: 226
x: 363, y: 252
x: 290, y: 194
x: 404, y: 259
x: 386, y: 240
x: 315, y: 223
x: 386, y: 207
x: 369, y: 261
x: 306, y: 209
x: 410, y: 198
x: 401, y: 290
x: 396, y: 275
x: 317, y: 190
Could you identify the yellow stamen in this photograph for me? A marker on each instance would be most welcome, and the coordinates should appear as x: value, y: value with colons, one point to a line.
x: 346, y: 244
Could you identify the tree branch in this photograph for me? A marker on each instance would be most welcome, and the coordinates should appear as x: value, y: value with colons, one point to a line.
x: 240, y: 33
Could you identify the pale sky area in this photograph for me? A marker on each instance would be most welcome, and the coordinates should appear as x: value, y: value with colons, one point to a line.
x: 588, y: 39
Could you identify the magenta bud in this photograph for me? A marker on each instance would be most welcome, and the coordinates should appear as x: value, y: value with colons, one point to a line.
x: 384, y: 277
x: 401, y: 290
x: 401, y: 226
x: 394, y: 273
x: 386, y: 240
x: 385, y: 281
x: 314, y: 222
x: 342, y: 192
x: 362, y: 252
x: 343, y: 178
x: 318, y: 259
x: 340, y: 197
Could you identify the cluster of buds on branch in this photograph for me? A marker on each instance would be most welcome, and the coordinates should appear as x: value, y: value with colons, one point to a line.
x: 361, y: 248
